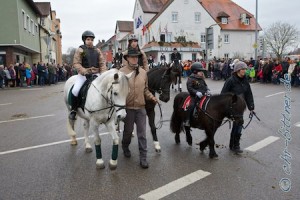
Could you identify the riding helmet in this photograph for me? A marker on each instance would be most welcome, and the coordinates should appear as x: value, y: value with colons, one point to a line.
x: 197, y: 67
x: 86, y: 34
x: 132, y: 37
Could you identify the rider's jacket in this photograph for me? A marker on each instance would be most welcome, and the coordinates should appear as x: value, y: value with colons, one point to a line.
x: 89, y: 58
x: 196, y: 84
x: 175, y: 57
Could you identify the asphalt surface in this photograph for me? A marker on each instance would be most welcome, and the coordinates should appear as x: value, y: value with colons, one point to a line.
x: 62, y: 171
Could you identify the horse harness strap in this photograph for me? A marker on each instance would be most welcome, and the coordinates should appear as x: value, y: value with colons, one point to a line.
x: 112, y: 107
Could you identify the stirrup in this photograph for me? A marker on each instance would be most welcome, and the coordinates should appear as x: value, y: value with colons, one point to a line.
x: 72, y: 115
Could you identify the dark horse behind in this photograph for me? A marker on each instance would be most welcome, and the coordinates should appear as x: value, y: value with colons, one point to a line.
x: 177, y: 70
x: 217, y: 108
x: 159, y: 81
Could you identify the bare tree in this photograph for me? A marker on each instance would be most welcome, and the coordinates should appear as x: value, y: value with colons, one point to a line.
x: 68, y: 57
x: 279, y: 37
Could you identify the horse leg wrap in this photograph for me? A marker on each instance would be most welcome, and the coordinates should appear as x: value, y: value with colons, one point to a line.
x: 98, y: 151
x: 114, y: 155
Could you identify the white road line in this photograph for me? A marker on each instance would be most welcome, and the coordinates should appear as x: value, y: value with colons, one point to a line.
x: 31, y: 89
x: 42, y: 145
x: 175, y: 185
x: 262, y: 144
x: 26, y: 118
x: 297, y: 124
x: 4, y: 104
x: 274, y: 94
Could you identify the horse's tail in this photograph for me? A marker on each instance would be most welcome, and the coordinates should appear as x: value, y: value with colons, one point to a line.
x: 176, y: 120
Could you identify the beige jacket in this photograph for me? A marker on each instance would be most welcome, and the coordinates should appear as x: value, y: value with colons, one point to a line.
x: 81, y: 70
x: 138, y: 88
x: 145, y: 61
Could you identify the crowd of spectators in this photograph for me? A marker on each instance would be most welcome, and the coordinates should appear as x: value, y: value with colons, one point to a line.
x: 40, y: 74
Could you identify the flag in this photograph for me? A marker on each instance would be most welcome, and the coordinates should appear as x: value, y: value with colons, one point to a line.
x: 166, y: 28
x: 144, y: 29
x: 138, y: 22
x: 159, y: 29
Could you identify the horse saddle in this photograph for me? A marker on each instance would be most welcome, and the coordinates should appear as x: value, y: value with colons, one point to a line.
x: 83, y: 90
x: 201, y: 104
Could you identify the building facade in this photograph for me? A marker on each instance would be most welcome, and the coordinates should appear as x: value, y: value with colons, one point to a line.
x: 19, y: 36
x: 187, y: 21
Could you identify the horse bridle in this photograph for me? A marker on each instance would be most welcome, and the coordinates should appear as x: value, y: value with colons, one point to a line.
x: 109, y: 101
x: 160, y: 91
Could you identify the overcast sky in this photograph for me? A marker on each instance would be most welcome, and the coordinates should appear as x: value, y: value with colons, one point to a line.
x: 100, y: 16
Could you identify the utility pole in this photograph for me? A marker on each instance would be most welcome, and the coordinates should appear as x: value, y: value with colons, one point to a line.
x: 256, y: 32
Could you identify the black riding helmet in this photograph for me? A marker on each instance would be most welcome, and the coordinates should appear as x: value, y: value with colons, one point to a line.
x: 197, y: 67
x: 86, y: 34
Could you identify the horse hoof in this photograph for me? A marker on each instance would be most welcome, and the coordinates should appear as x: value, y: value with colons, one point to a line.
x: 88, y: 150
x: 157, y: 147
x: 73, y: 142
x: 100, y: 164
x: 113, y: 164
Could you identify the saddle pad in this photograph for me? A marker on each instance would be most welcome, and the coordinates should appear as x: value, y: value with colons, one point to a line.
x: 186, y: 103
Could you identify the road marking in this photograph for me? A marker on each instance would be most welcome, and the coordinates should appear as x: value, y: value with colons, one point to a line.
x: 262, y: 144
x: 275, y: 94
x: 32, y: 89
x: 175, y: 185
x: 42, y: 145
x: 4, y: 104
x: 297, y: 124
x: 26, y: 118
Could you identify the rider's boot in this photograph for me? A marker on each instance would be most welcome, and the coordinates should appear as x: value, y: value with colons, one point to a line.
x: 74, y: 106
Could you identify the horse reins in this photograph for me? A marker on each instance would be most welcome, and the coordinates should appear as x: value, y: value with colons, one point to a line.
x: 108, y: 101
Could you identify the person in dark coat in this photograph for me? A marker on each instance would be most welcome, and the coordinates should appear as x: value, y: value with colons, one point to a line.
x: 197, y: 87
x: 119, y: 56
x: 239, y: 85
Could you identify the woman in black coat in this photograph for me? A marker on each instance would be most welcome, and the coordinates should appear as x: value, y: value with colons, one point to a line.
x: 239, y: 85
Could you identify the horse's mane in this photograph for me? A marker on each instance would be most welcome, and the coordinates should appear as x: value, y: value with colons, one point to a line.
x: 107, y: 77
x: 219, y: 97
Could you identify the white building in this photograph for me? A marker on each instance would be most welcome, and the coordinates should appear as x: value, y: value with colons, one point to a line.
x: 164, y: 21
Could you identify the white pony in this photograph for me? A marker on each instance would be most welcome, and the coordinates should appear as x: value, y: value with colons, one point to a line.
x: 105, y: 104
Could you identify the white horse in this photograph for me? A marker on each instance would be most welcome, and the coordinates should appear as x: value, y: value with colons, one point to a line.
x: 105, y: 104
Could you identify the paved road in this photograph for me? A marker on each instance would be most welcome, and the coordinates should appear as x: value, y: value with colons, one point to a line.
x: 30, y: 118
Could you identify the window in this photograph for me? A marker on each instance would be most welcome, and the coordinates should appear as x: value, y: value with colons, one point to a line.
x: 36, y: 28
x: 224, y: 20
x: 174, y: 16
x: 247, y: 21
x: 194, y: 57
x: 186, y: 1
x: 197, y: 17
x: 24, y: 19
x: 43, y: 21
x: 226, y: 38
x: 162, y: 37
x: 28, y: 23
x: 169, y: 37
x: 203, y: 38
x: 32, y: 27
x: 226, y: 55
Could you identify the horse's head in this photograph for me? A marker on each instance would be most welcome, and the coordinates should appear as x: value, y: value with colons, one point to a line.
x: 159, y: 80
x: 236, y: 109
x: 117, y: 93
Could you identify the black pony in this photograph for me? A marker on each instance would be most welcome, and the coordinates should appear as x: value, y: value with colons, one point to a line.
x: 177, y: 69
x: 159, y: 81
x: 210, y: 117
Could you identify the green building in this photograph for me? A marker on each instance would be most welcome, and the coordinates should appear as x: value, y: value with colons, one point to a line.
x: 19, y: 35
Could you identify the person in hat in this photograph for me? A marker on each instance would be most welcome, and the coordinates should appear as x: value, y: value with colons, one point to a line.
x: 88, y: 60
x: 119, y: 56
x: 175, y: 56
x: 239, y: 85
x: 135, y: 105
x: 197, y: 88
x: 133, y: 43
